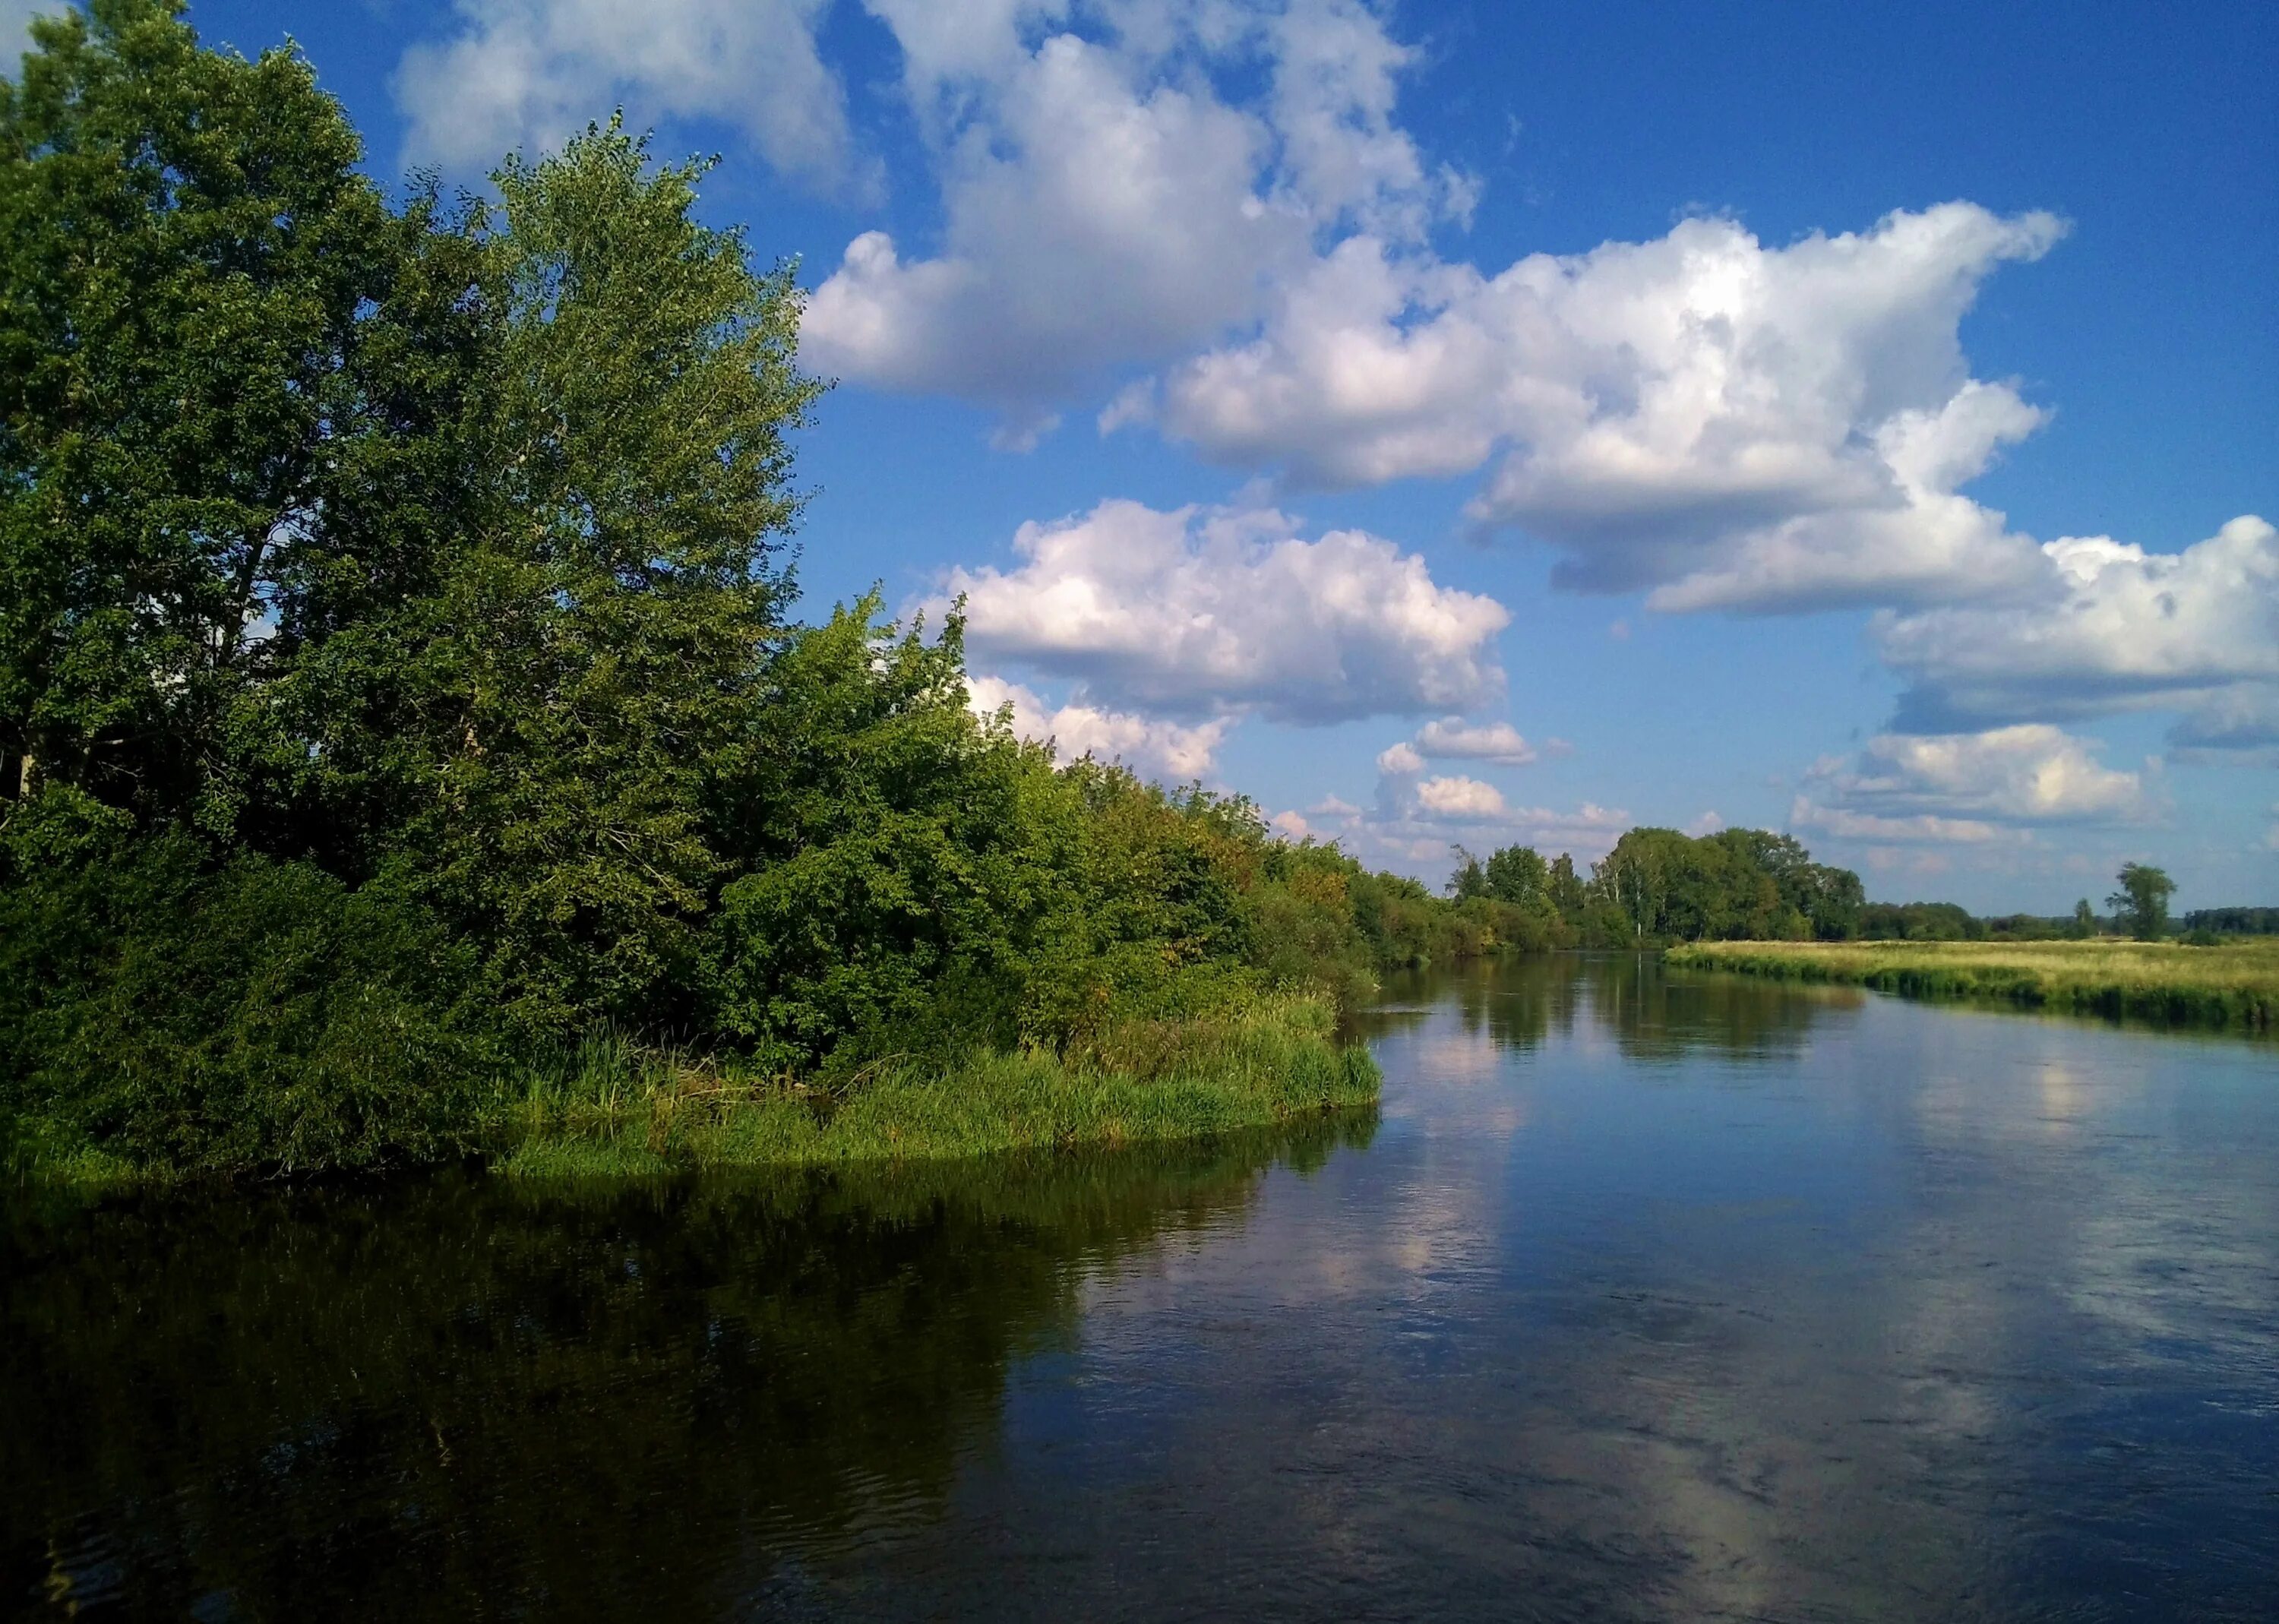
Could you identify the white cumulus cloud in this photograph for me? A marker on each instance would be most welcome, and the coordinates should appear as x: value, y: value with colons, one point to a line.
x: 1150, y: 746
x: 1103, y: 203
x: 1452, y: 738
x: 1417, y: 810
x: 1969, y: 787
x: 1198, y: 612
x: 1458, y: 799
x: 1921, y: 826
x: 1732, y: 425
x: 515, y: 73
x: 1221, y: 194
x: 2112, y: 627
x: 1291, y: 826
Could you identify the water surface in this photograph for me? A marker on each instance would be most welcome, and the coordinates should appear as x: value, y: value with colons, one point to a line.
x: 1644, y: 1296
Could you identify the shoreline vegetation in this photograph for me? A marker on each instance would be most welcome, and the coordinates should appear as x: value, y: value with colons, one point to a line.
x: 619, y: 1108
x: 629, y: 1114
x: 2234, y: 984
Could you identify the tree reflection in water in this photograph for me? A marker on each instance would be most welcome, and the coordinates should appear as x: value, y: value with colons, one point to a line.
x: 454, y: 1395
x: 1651, y: 1298
x: 1651, y: 1014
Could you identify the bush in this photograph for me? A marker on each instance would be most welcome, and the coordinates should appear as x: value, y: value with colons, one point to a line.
x: 259, y: 1014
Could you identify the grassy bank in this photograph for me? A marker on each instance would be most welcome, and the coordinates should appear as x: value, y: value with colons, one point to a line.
x: 623, y: 1114
x: 617, y: 1109
x: 2234, y: 985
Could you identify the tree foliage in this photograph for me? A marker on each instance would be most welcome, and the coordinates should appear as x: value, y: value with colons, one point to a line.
x: 2234, y: 921
x: 398, y: 679
x: 2141, y: 905
x: 211, y: 338
x: 1659, y: 885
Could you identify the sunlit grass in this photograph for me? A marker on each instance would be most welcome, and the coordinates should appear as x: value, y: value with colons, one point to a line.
x: 2234, y: 984
x: 621, y: 1112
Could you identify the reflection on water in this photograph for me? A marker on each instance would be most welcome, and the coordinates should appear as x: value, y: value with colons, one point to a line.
x: 1626, y: 998
x: 1644, y: 1297
x: 408, y: 1398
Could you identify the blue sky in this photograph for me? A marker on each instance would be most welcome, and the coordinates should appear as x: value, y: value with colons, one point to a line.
x: 1490, y: 423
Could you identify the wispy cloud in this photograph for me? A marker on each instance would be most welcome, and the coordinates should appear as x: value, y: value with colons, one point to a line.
x: 515, y: 73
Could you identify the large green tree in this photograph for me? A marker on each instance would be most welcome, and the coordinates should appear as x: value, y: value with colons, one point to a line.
x: 595, y: 670
x: 222, y: 360
x: 2142, y: 902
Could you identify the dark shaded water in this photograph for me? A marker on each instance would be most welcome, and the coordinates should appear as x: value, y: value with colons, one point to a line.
x: 1645, y: 1297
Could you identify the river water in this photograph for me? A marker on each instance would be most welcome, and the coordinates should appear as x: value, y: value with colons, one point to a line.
x: 1644, y: 1295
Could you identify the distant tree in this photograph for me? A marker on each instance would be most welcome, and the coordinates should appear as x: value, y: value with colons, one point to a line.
x: 2085, y: 921
x: 1814, y: 899
x: 1519, y: 874
x: 2029, y: 928
x: 1566, y: 887
x: 2142, y: 902
x: 2235, y: 920
x: 1737, y: 884
x: 1920, y: 921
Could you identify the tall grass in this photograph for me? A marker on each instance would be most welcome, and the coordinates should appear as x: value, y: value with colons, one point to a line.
x: 2234, y: 985
x: 619, y: 1110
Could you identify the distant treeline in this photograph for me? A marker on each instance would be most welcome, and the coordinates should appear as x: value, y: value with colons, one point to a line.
x: 1660, y: 885
x: 1945, y: 922
x: 2234, y: 921
x: 1948, y: 922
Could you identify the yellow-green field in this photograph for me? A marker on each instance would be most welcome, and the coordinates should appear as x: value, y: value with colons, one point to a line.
x: 2234, y: 985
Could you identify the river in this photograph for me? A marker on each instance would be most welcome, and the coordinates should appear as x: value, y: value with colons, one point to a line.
x: 1644, y: 1295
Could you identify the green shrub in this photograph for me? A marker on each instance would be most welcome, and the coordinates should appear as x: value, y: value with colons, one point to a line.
x: 258, y: 1015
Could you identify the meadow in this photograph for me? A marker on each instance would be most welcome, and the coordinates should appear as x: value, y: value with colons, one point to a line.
x: 2234, y: 984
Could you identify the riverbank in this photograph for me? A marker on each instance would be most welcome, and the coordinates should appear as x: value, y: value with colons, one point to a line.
x: 2234, y: 985
x: 1275, y: 1060
x: 622, y: 1111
